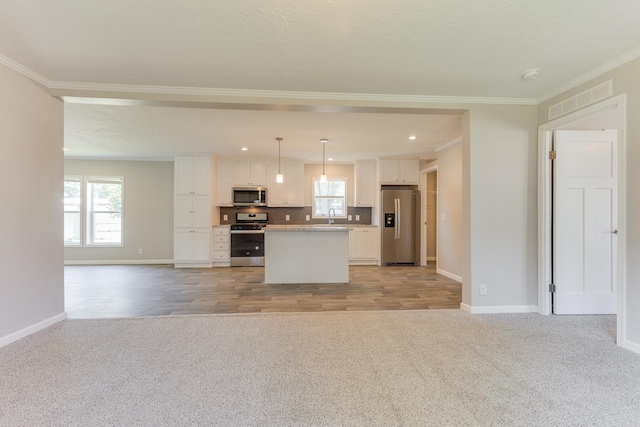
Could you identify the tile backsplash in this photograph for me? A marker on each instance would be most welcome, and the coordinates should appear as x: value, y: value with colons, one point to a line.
x: 277, y: 216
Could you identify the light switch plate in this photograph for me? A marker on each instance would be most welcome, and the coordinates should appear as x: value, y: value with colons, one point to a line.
x: 308, y: 218
x: 357, y: 217
x: 225, y: 217
x: 287, y: 217
x: 349, y: 217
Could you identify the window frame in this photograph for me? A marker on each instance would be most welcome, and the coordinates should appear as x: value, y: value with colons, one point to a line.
x: 79, y: 179
x: 89, y: 213
x: 313, y: 198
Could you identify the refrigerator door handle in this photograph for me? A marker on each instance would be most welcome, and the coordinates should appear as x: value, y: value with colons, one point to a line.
x: 395, y: 218
x: 397, y: 201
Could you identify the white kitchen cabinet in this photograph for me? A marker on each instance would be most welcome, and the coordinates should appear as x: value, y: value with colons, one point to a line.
x: 191, y: 248
x: 221, y: 246
x: 224, y: 183
x: 192, y: 211
x: 192, y: 175
x: 399, y: 172
x: 409, y: 171
x: 289, y: 193
x: 250, y: 173
x: 365, y: 188
x: 364, y: 245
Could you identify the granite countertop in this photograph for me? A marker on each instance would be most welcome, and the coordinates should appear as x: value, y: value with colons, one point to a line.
x: 310, y: 227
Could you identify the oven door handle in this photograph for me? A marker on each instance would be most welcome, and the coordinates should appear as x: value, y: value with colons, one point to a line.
x: 247, y: 231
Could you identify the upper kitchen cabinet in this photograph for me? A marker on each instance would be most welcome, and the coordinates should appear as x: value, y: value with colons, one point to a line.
x: 399, y: 172
x: 224, y: 183
x: 250, y: 173
x: 365, y: 189
x: 192, y: 175
x: 289, y: 193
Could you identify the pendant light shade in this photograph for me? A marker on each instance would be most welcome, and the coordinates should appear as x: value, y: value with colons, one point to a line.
x: 279, y: 176
x: 323, y: 177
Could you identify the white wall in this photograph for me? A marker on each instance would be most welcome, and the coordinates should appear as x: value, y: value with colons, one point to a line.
x: 625, y: 81
x: 31, y: 170
x: 450, y: 205
x: 148, y: 210
x: 502, y: 191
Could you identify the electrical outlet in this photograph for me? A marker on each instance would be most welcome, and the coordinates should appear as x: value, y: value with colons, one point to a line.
x: 483, y: 288
x: 349, y: 217
x: 287, y: 217
x: 357, y: 217
x: 308, y: 217
x: 225, y: 217
x: 139, y: 251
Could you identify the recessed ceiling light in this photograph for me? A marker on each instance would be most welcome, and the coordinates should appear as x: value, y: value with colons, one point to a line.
x: 531, y: 74
x: 330, y: 158
x: 65, y: 149
x: 412, y: 137
x: 244, y: 148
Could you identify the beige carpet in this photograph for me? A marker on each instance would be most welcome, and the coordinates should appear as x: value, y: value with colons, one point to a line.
x: 409, y: 368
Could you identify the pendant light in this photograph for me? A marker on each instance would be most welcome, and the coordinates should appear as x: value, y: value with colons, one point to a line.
x: 323, y: 177
x: 279, y: 176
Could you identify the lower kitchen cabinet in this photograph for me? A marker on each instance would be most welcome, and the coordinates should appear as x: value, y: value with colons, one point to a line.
x: 192, y: 248
x: 364, y: 246
x: 221, y: 246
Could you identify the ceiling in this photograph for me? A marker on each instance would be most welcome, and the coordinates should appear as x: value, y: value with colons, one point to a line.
x: 369, y: 48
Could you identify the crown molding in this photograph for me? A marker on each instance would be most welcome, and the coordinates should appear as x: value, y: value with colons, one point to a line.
x: 61, y: 87
x: 630, y: 56
x: 246, y: 93
x: 448, y: 144
x: 25, y: 71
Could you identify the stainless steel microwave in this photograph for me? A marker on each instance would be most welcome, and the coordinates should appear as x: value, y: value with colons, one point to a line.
x: 249, y: 196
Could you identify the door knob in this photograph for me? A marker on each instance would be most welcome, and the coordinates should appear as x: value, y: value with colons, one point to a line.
x: 615, y: 231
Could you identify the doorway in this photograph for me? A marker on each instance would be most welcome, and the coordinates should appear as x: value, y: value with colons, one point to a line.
x: 429, y: 216
x: 595, y: 116
x: 431, y: 205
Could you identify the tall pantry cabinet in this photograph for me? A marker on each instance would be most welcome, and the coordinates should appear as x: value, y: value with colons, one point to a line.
x: 192, y: 212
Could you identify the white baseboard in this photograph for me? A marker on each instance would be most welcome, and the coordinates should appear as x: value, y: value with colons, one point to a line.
x: 118, y: 262
x: 6, y: 340
x: 222, y: 264
x: 363, y: 262
x: 498, y: 309
x: 193, y: 265
x: 449, y: 275
x: 630, y: 345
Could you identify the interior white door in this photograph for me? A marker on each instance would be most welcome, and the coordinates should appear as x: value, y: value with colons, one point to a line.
x: 585, y: 222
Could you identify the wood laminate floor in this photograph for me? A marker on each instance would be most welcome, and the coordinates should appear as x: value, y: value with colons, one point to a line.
x: 136, y: 290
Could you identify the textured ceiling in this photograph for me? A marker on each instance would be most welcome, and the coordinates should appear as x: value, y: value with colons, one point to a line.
x: 466, y: 48
x: 163, y: 132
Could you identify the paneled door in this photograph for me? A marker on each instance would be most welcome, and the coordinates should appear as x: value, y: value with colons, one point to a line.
x: 585, y: 222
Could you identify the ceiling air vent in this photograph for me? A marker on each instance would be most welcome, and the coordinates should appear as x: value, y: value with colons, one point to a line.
x: 576, y: 102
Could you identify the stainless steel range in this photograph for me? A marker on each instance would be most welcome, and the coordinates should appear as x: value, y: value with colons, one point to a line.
x: 247, y: 239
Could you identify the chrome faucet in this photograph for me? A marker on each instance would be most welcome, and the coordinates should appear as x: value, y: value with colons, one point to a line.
x: 331, y: 221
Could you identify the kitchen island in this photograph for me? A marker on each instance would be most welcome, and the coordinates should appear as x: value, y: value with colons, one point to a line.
x: 306, y: 254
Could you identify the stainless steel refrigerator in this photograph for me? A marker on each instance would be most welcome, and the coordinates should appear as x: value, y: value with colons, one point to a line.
x: 400, y: 227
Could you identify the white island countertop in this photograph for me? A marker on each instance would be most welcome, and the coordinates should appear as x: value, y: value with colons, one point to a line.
x: 310, y: 227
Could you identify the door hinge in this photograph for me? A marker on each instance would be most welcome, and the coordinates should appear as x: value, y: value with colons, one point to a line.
x: 552, y: 155
x: 552, y: 288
